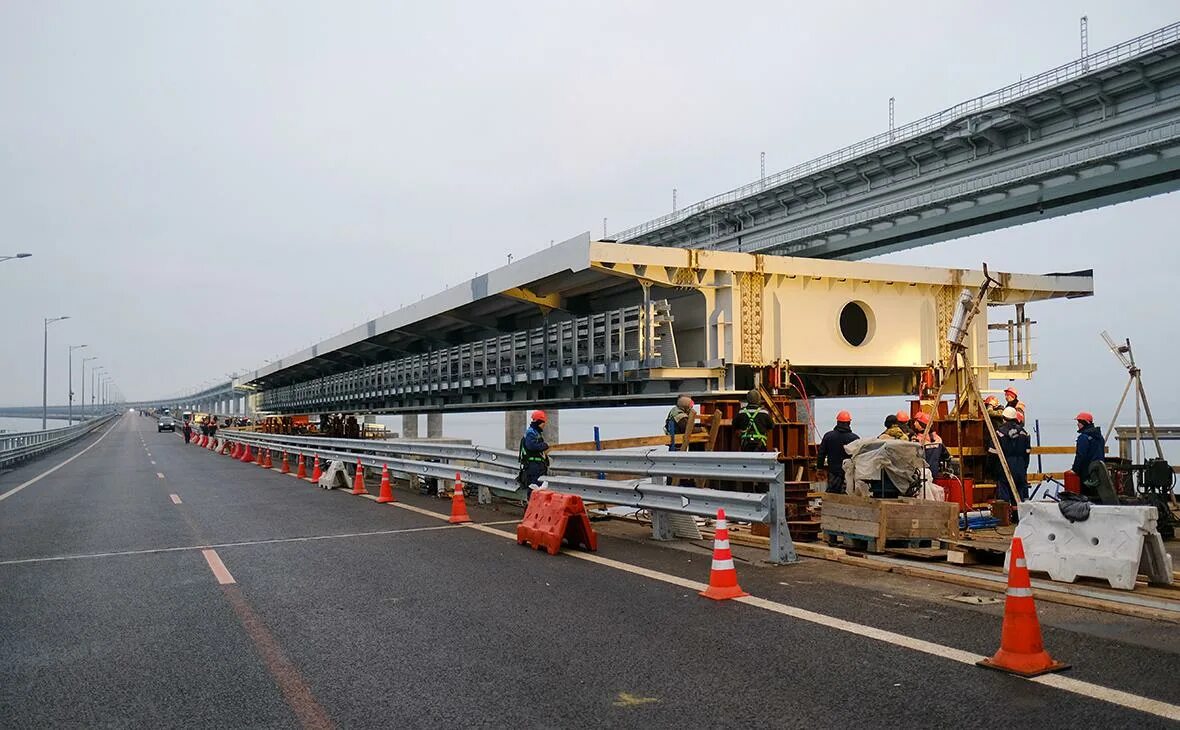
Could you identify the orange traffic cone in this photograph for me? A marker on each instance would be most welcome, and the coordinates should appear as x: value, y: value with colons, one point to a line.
x: 286, y: 469
x: 315, y: 472
x: 301, y: 472
x: 458, y: 506
x: 358, y: 479
x: 246, y: 457
x: 261, y: 458
x: 267, y: 463
x: 723, y: 576
x: 235, y: 451
x: 1021, y: 649
x: 386, y: 490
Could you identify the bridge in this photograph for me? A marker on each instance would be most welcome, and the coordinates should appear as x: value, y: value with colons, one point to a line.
x: 1099, y: 130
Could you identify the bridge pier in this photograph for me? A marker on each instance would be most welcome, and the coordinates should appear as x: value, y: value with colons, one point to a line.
x: 434, y: 425
x: 409, y: 425
x: 515, y: 423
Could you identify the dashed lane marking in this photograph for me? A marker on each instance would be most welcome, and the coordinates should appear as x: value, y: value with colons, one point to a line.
x: 49, y: 471
x: 175, y: 498
x: 153, y: 463
x: 1067, y: 684
x: 219, y: 570
x: 160, y: 474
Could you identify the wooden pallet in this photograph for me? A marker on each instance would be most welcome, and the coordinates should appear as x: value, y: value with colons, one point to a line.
x: 878, y: 522
x: 874, y: 544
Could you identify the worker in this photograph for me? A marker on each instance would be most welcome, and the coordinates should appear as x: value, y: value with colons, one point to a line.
x: 893, y: 430
x: 932, y: 446
x: 903, y: 422
x: 1091, y: 447
x: 1012, y: 399
x: 187, y: 430
x: 831, y: 452
x: 534, y: 452
x: 678, y: 421
x: 1016, y: 446
x: 753, y: 423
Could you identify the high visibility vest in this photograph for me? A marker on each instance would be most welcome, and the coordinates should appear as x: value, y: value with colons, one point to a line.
x: 752, y: 432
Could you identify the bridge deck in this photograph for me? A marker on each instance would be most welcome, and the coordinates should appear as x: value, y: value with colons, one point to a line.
x: 343, y: 612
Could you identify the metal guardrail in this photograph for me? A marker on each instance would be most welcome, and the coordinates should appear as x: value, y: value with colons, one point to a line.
x: 648, y: 465
x: 16, y: 447
x: 1092, y: 63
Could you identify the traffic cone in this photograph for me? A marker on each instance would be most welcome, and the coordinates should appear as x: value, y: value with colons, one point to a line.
x: 266, y: 462
x: 315, y: 472
x: 723, y: 576
x: 246, y: 457
x: 302, y: 470
x: 458, y: 506
x: 386, y: 490
x: 1021, y: 648
x: 286, y: 469
x: 358, y: 479
x: 236, y: 451
x: 259, y: 459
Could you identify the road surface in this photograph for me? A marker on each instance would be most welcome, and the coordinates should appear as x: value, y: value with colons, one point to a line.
x: 149, y: 583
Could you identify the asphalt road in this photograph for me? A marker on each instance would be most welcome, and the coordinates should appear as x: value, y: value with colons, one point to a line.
x: 345, y: 613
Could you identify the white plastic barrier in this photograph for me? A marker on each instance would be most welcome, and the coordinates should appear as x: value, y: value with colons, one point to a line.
x: 1115, y: 544
x: 335, y: 476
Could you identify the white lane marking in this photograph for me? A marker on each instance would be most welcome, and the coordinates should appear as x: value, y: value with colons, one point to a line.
x: 244, y: 543
x: 160, y: 474
x: 1067, y: 684
x: 47, y: 472
x: 218, y: 567
x: 153, y: 463
x: 175, y: 498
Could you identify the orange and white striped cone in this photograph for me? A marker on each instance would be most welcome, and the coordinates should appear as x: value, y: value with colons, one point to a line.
x: 723, y: 583
x: 358, y: 479
x: 267, y: 463
x: 1022, y: 651
x: 315, y: 472
x: 301, y: 472
x: 236, y: 451
x: 246, y: 458
x: 286, y: 468
x: 458, y: 506
x: 386, y: 494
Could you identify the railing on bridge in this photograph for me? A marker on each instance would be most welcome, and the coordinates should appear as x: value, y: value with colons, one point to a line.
x: 16, y: 447
x: 647, y: 466
x: 604, y: 346
x: 1027, y: 87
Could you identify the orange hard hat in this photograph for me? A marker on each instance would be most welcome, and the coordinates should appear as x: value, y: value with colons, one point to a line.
x: 843, y: 417
x: 1019, y: 416
x: 903, y: 417
x: 922, y: 418
x: 991, y: 400
x: 1012, y: 391
x: 1085, y: 416
x: 538, y: 416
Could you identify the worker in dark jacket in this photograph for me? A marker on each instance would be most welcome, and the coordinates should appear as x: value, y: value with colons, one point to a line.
x: 831, y: 451
x: 753, y: 423
x: 1090, y: 446
x: 933, y: 449
x: 534, y: 452
x: 1016, y: 445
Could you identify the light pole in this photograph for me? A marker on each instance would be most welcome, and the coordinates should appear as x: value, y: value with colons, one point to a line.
x: 83, y: 379
x: 94, y: 388
x: 70, y: 381
x: 16, y: 256
x: 45, y: 371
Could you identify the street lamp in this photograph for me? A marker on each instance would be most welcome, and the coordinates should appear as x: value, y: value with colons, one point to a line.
x: 45, y: 371
x: 94, y: 387
x: 16, y: 256
x: 70, y: 381
x: 83, y: 379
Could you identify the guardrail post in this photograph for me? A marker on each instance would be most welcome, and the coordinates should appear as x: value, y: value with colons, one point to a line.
x: 782, y: 547
x: 661, y: 525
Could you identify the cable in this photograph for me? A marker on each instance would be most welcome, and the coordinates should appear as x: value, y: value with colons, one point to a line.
x: 807, y: 402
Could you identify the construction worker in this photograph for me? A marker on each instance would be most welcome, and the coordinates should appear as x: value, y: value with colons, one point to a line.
x: 187, y: 430
x: 893, y: 430
x: 1016, y: 446
x: 1012, y: 399
x: 678, y: 421
x: 932, y: 446
x: 534, y: 452
x: 831, y: 452
x: 1091, y: 447
x: 753, y: 423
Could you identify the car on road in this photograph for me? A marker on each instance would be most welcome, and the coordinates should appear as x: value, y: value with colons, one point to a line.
x: 166, y: 423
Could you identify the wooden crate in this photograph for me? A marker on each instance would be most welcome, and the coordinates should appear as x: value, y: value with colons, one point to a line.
x: 875, y: 522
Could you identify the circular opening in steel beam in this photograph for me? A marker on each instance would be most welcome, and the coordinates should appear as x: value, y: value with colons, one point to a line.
x: 856, y: 323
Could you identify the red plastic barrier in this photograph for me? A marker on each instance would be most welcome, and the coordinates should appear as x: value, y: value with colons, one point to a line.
x: 553, y: 517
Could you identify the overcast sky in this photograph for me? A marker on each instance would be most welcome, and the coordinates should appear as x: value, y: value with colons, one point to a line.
x: 205, y: 186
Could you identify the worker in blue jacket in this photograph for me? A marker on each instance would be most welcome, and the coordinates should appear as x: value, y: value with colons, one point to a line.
x: 534, y: 452
x: 1090, y: 446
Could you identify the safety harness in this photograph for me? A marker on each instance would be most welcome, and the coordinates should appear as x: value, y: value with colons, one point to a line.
x: 752, y: 432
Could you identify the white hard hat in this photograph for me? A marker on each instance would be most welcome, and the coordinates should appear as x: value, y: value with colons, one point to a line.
x: 1010, y: 413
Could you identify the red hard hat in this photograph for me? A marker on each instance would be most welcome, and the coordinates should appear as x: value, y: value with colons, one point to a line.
x: 538, y: 416
x: 1012, y: 391
x: 991, y: 400
x: 843, y: 417
x: 903, y: 417
x: 922, y: 418
x: 1019, y: 416
x: 1085, y: 416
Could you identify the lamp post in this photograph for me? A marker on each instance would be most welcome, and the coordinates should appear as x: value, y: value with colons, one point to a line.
x: 70, y: 381
x: 83, y: 379
x: 94, y: 388
x: 16, y: 256
x: 45, y: 371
